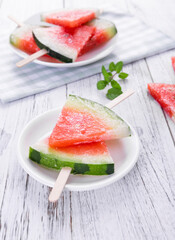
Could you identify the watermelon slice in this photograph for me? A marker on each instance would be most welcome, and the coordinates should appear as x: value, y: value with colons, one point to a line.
x: 84, y: 121
x: 70, y: 18
x: 61, y: 43
x: 104, y: 31
x: 91, y: 159
x: 173, y: 62
x: 164, y: 94
x: 22, y: 38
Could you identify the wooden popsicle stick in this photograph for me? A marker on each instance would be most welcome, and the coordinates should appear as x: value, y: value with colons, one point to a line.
x: 119, y: 99
x: 65, y: 172
x: 59, y: 184
x: 20, y: 24
x: 31, y: 58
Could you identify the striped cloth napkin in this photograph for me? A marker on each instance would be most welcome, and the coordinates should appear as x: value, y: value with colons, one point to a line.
x: 135, y: 41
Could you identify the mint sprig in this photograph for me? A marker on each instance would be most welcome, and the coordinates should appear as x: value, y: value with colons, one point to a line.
x: 114, y: 69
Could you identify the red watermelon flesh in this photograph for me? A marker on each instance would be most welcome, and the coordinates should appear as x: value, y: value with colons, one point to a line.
x: 22, y: 38
x: 173, y: 62
x: 63, y: 43
x: 85, y: 121
x: 70, y: 18
x: 104, y: 31
x: 164, y: 94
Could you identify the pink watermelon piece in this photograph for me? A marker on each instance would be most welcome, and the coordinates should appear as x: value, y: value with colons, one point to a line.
x: 70, y: 18
x: 63, y: 43
x: 85, y: 121
x: 164, y: 94
x: 104, y: 31
x: 173, y: 62
x: 22, y: 38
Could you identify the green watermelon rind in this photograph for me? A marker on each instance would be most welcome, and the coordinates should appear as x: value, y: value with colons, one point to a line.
x: 15, y: 36
x: 14, y: 41
x: 53, y: 162
x: 111, y: 31
x: 52, y: 53
x: 111, y: 114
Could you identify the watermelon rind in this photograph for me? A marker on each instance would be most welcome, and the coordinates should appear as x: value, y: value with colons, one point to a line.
x: 119, y: 128
x: 19, y: 33
x: 51, y: 51
x: 105, y: 25
x: 55, y: 162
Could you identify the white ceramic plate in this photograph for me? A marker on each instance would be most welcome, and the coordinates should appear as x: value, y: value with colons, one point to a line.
x: 90, y: 57
x: 124, y: 153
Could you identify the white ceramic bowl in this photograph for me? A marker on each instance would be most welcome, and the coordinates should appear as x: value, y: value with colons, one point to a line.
x: 90, y: 57
x: 124, y: 153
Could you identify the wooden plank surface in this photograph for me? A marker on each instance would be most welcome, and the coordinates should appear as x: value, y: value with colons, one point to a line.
x: 139, y: 206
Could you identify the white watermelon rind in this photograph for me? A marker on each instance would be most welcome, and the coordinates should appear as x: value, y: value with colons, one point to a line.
x: 60, y: 52
x: 105, y: 25
x: 118, y: 128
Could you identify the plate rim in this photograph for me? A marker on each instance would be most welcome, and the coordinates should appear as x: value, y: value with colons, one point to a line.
x: 90, y: 186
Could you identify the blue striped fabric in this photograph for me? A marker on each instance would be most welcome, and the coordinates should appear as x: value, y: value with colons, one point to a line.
x: 135, y: 41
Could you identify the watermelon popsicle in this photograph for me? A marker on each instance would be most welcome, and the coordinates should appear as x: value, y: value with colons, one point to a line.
x: 90, y: 158
x: 104, y: 31
x: 80, y: 158
x: 164, y: 94
x: 62, y: 43
x: 22, y: 38
x: 70, y: 18
x: 84, y: 121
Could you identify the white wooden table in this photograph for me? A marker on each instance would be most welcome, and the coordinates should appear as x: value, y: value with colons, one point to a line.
x: 140, y: 206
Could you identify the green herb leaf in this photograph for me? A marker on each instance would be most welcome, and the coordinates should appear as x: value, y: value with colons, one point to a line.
x: 110, y: 74
x: 114, y: 70
x: 105, y: 74
x: 115, y: 84
x: 123, y: 75
x: 112, y: 66
x: 118, y: 67
x: 113, y: 93
x: 101, y: 84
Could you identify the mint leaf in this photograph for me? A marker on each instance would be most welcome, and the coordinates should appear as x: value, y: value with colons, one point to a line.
x: 101, y: 84
x: 123, y: 75
x: 110, y: 74
x: 118, y: 67
x: 112, y: 66
x: 115, y: 84
x: 108, y: 78
x: 113, y: 93
x: 105, y: 74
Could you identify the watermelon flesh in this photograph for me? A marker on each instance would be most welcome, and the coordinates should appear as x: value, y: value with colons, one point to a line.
x: 70, y: 18
x: 91, y: 159
x: 62, y: 43
x: 164, y: 94
x: 85, y: 121
x: 173, y: 62
x: 104, y: 31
